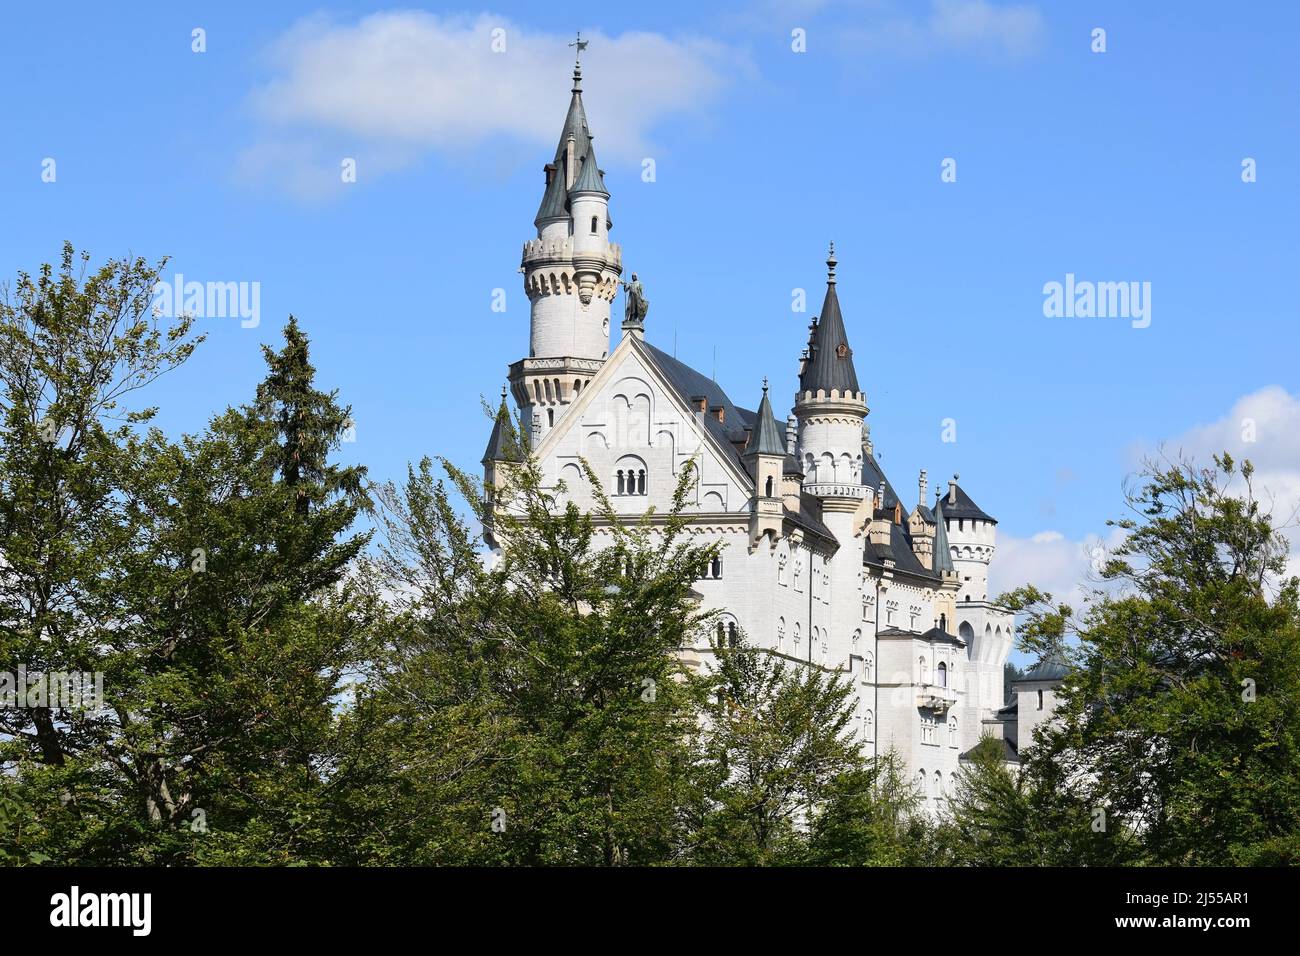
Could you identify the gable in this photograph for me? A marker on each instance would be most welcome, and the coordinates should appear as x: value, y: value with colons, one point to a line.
x: 631, y: 420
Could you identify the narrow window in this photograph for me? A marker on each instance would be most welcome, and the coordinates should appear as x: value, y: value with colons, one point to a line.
x: 943, y: 674
x: 731, y: 633
x: 1040, y: 700
x: 620, y: 482
x: 769, y: 486
x: 594, y: 230
x: 642, y: 474
x: 716, y: 568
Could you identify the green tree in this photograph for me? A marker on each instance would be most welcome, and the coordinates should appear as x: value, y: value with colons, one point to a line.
x: 775, y: 742
x: 529, y: 707
x: 1179, y: 721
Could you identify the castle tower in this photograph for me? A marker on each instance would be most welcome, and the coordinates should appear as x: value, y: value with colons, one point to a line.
x: 571, y: 273
x: 830, y: 409
x: 765, y: 456
x: 973, y: 536
x: 829, y: 405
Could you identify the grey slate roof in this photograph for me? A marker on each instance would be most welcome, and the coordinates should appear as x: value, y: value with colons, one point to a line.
x: 964, y: 508
x: 937, y: 634
x: 791, y: 466
x: 1009, y: 752
x: 766, y: 437
x: 942, y: 553
x: 503, y: 445
x: 555, y: 200
x: 690, y: 384
x: 590, y: 178
x: 1052, y: 667
x: 827, y: 368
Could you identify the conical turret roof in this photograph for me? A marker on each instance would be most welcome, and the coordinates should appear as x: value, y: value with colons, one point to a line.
x: 830, y: 359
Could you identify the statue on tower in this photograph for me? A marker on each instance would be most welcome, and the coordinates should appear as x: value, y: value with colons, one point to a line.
x: 635, y: 305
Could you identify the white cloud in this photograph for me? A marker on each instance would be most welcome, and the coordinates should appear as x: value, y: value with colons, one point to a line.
x: 396, y: 85
x: 969, y: 26
x: 1260, y: 426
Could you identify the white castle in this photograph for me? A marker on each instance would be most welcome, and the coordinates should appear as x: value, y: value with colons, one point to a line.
x: 822, y: 561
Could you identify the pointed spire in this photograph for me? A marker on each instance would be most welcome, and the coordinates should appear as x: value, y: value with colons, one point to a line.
x: 503, y: 445
x: 942, y: 560
x: 766, y: 439
x: 830, y: 360
x: 559, y: 173
x: 590, y: 178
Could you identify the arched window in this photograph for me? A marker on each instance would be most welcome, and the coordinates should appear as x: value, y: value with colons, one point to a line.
x: 797, y: 628
x: 922, y: 673
x: 630, y: 476
x: 769, y: 487
x: 780, y: 634
x: 943, y: 623
x: 938, y: 786
x: 715, y: 567
x: 594, y: 227
x: 550, y: 417
x: 780, y: 569
x: 943, y: 674
x: 920, y: 783
x: 868, y: 726
x: 1040, y: 699
x: 868, y: 663
x: 732, y: 639
x: 952, y: 731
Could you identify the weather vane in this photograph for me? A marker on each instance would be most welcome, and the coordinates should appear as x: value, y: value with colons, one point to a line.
x: 581, y: 44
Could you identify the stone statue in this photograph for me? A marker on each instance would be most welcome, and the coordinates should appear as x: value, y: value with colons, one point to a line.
x: 636, y: 305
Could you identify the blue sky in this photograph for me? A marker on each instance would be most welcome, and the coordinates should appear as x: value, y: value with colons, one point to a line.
x: 1115, y: 166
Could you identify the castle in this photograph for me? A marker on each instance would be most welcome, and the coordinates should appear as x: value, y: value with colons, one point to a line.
x: 822, y: 560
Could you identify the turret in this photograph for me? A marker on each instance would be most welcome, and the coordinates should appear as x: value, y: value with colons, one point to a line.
x: 504, y: 450
x: 765, y: 457
x: 973, y: 536
x: 571, y: 273
x: 830, y: 406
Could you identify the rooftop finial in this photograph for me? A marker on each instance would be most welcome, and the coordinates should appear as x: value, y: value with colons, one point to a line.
x: 830, y: 266
x: 581, y: 45
x: 764, y: 384
x: 503, y: 393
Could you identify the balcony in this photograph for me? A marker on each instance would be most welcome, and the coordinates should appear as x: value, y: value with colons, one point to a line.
x: 836, y: 489
x: 935, y: 698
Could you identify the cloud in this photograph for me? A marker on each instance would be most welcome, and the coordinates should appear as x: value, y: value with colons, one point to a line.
x: 1260, y: 426
x: 395, y: 86
x: 951, y: 26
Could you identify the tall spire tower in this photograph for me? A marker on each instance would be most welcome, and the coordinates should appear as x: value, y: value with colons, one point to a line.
x: 571, y: 274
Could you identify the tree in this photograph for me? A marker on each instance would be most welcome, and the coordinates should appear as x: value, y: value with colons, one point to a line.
x: 189, y: 575
x: 529, y: 706
x: 775, y: 741
x: 872, y: 817
x: 1179, y: 721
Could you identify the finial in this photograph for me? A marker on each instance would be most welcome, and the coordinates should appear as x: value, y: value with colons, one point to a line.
x: 581, y: 45
x: 764, y: 384
x: 830, y: 266
x: 503, y: 393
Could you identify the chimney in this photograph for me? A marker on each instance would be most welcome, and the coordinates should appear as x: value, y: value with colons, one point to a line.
x: 923, y: 484
x: 952, y: 489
